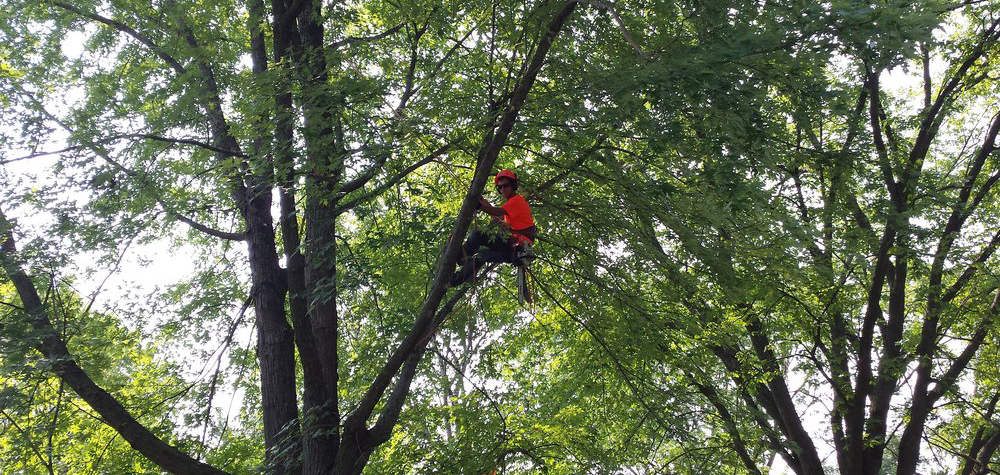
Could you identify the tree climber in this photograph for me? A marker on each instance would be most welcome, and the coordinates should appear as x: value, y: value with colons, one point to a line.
x: 517, y: 228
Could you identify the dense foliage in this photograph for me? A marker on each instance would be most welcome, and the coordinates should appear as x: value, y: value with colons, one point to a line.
x: 768, y: 235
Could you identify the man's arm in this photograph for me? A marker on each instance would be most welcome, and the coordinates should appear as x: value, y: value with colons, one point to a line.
x: 491, y: 210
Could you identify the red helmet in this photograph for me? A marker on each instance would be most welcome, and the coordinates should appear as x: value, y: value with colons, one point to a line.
x: 504, y: 174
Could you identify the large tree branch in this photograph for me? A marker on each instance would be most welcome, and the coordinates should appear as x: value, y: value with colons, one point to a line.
x: 356, y: 420
x: 117, y: 137
x: 855, y: 413
x: 932, y: 117
x: 370, y: 173
x: 411, y: 70
x: 114, y: 414
x: 729, y: 422
x: 409, y: 90
x: 923, y: 400
x: 961, y: 210
x: 197, y: 143
x: 984, y: 444
x: 760, y: 403
x: 925, y: 57
x: 950, y: 376
x: 891, y: 366
x: 927, y: 346
x: 205, y: 229
x: 789, y: 418
x: 839, y: 186
x: 382, y: 430
x: 353, y: 40
x: 95, y: 146
x: 156, y: 49
x: 224, y: 141
x: 840, y: 347
x: 972, y: 269
x: 572, y: 167
x: 885, y: 162
x: 393, y: 180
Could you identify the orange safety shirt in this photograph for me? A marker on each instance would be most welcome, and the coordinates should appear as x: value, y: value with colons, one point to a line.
x: 518, y: 215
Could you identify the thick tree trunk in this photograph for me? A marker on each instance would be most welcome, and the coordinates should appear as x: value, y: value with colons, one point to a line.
x: 275, y: 340
x: 270, y: 286
x: 317, y: 455
x: 324, y: 174
x: 321, y: 277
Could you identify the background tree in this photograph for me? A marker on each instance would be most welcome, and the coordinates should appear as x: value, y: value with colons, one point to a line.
x: 753, y: 248
x: 326, y: 130
x: 822, y: 247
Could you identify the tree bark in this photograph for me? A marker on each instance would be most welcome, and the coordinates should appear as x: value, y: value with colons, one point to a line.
x: 324, y: 174
x: 319, y: 424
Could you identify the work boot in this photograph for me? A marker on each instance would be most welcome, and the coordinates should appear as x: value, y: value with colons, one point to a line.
x: 456, y: 279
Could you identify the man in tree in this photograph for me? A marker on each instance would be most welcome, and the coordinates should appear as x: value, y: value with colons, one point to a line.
x: 517, y: 228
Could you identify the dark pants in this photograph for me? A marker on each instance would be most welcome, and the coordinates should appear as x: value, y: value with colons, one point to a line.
x: 481, y: 248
